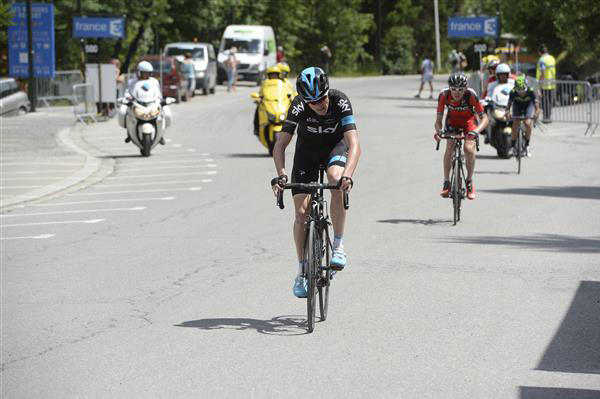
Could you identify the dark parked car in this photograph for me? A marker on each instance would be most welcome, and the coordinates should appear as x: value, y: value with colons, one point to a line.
x: 170, y: 72
x: 13, y: 101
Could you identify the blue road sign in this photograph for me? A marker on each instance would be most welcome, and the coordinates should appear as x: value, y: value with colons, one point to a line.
x: 42, y: 24
x: 106, y: 28
x: 473, y: 26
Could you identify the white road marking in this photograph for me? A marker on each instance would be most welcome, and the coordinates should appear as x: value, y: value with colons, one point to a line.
x: 205, y: 154
x: 41, y: 163
x: 137, y: 208
x: 210, y: 165
x: 154, y: 183
x: 34, y: 172
x: 191, y: 150
x: 37, y: 178
x: 177, y: 162
x: 208, y: 172
x: 176, y: 145
x: 14, y: 187
x: 138, y: 191
x: 90, y: 221
x: 40, y: 237
x: 111, y: 200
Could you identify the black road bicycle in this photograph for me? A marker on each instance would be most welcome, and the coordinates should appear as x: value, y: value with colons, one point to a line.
x: 317, y: 246
x: 520, y: 148
x: 458, y: 179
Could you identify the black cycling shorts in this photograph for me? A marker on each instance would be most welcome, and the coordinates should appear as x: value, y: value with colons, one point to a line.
x: 308, y: 159
x: 523, y: 109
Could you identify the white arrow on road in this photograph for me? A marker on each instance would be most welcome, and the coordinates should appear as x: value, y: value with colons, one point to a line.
x: 90, y: 221
x: 40, y: 237
x: 137, y: 208
x: 109, y: 200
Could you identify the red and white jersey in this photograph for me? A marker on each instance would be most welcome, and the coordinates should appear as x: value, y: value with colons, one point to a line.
x: 460, y: 112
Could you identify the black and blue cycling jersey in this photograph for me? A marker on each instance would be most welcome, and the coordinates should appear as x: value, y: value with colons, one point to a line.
x: 320, y: 137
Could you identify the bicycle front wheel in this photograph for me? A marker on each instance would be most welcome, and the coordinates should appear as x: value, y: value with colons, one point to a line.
x: 456, y: 191
x: 311, y: 257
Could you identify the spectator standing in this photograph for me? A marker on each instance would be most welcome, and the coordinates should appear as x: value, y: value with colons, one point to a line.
x: 231, y: 68
x: 280, y: 55
x: 454, y: 59
x: 462, y: 62
x: 546, y: 74
x: 426, y: 76
x: 325, y: 58
x: 190, y: 73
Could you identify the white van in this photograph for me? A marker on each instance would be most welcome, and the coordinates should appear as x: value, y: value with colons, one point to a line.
x: 255, y: 51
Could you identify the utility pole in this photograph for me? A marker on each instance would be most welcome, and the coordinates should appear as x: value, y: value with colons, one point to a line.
x: 31, y: 88
x: 438, y: 58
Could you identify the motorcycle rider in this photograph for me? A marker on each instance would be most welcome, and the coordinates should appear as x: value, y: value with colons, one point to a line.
x: 285, y: 71
x: 503, y: 76
x: 327, y: 135
x: 143, y: 73
x: 463, y: 109
x: 523, y: 100
x: 491, y: 67
x: 272, y: 73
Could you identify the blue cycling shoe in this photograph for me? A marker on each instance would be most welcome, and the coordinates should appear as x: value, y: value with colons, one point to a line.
x: 301, y: 287
x: 338, y: 260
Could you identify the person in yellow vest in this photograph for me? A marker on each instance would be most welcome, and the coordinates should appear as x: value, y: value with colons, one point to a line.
x: 546, y: 74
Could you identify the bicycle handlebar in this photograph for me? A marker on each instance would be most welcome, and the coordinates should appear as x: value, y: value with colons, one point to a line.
x: 312, y: 187
x: 460, y: 135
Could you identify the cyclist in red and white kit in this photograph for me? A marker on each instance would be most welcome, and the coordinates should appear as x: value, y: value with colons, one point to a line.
x: 464, y: 109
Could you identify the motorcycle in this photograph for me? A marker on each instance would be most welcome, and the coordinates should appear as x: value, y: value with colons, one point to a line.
x: 272, y: 110
x: 145, y: 116
x: 499, y: 128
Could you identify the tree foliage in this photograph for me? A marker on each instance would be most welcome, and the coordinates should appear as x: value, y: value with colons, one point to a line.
x: 392, y: 36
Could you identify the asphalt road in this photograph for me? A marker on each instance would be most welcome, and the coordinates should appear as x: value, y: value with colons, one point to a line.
x: 171, y: 276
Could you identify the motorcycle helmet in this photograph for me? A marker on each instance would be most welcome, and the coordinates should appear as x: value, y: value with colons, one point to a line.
x: 493, y: 64
x: 284, y: 68
x: 144, y: 67
x: 312, y: 84
x: 502, y: 68
x: 458, y: 80
x: 273, y: 72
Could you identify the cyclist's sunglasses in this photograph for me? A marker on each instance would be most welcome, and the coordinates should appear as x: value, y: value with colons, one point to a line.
x: 319, y: 101
x: 458, y: 89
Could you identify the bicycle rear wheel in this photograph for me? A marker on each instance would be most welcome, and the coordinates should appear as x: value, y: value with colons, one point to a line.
x: 311, y: 257
x: 324, y: 274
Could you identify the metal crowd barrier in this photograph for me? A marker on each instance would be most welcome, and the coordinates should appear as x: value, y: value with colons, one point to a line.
x: 60, y: 87
x: 595, y: 103
x: 84, y: 106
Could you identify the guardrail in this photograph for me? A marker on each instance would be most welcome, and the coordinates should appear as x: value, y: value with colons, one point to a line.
x: 595, y: 104
x: 60, y: 87
x: 84, y: 106
x: 571, y: 101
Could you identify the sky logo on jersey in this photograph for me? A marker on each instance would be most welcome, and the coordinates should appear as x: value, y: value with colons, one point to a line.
x: 296, y: 109
x: 320, y: 130
x: 344, y: 105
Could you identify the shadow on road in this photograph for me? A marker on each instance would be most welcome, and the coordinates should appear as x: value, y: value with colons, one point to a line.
x: 575, y: 348
x: 495, y: 172
x: 487, y: 156
x: 424, y: 222
x: 261, y: 155
x: 279, y: 325
x: 542, y: 242
x: 581, y: 192
x: 120, y: 156
x: 556, y: 393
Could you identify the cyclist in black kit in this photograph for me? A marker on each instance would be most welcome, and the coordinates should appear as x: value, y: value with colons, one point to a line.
x: 326, y: 135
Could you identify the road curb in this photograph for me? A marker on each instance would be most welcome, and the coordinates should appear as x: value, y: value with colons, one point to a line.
x: 94, y: 169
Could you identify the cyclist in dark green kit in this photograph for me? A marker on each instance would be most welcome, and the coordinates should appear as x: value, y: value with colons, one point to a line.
x: 525, y: 105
